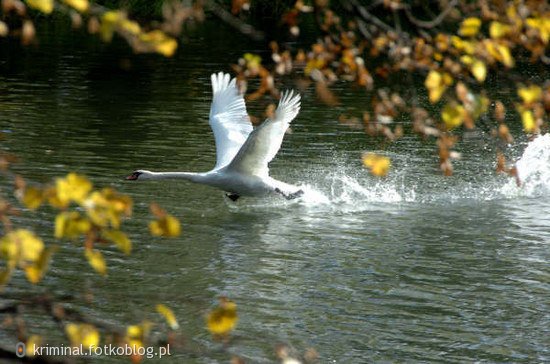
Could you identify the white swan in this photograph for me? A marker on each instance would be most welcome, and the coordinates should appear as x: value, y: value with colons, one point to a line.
x: 242, y: 154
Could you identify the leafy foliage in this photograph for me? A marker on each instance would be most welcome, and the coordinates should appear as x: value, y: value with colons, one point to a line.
x: 86, y: 215
x: 159, y: 38
x: 168, y: 314
x: 222, y: 319
x: 165, y: 224
x: 377, y: 164
x: 455, y: 53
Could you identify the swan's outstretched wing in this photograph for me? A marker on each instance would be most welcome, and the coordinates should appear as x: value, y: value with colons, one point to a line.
x: 264, y: 142
x: 228, y: 118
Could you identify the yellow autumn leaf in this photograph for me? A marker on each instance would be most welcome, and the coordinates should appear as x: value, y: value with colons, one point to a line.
x: 120, y: 203
x: 453, y: 115
x: 505, y: 55
x: 168, y: 314
x: 512, y: 13
x: 498, y: 30
x: 32, y: 197
x: 467, y: 60
x: 71, y: 224
x: 530, y: 94
x: 167, y: 47
x: 314, y: 64
x: 9, y: 250
x: 377, y: 164
x: 45, y: 6
x: 130, y: 26
x: 252, y: 60
x: 436, y: 83
x: 542, y: 25
x: 134, y: 332
x: 109, y: 22
x: 442, y: 42
x: 221, y: 320
x: 73, y: 187
x: 79, y: 5
x: 469, y: 27
x: 99, y: 210
x: 21, y: 247
x: 479, y: 70
x: 36, y: 271
x: 112, y: 16
x: 153, y: 36
x: 107, y: 207
x: 31, y: 344
x: 50, y: 194
x: 96, y: 260
x: 160, y: 42
x: 463, y: 45
x: 167, y: 226
x: 120, y: 239
x: 499, y: 52
x: 137, y: 334
x: 477, y: 67
x: 82, y: 334
x: 528, y: 120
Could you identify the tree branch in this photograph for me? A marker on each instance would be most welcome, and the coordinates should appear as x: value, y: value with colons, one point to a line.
x: 364, y: 13
x: 234, y: 22
x: 430, y: 23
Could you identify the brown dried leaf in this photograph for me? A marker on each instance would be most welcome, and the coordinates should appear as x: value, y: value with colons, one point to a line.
x: 500, y: 111
x: 156, y: 210
x: 325, y: 94
x: 28, y: 32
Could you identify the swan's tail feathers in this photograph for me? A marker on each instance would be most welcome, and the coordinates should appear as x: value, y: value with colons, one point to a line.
x: 226, y: 98
x: 289, y: 106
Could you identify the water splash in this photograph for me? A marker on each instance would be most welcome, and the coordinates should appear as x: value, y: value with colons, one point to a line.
x: 312, y: 196
x: 349, y: 189
x: 533, y: 170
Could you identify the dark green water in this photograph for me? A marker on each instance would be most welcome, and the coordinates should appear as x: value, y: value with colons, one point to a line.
x: 412, y: 268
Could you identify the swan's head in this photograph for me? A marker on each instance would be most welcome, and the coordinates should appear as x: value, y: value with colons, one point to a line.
x: 139, y: 174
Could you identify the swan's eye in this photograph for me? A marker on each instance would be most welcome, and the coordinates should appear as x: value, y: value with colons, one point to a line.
x: 134, y: 176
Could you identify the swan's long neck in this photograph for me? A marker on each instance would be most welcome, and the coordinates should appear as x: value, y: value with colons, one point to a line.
x: 189, y: 176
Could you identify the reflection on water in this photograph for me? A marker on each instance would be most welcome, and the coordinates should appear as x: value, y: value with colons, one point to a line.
x: 414, y: 267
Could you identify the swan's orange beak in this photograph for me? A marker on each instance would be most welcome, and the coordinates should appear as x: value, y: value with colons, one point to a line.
x: 132, y: 177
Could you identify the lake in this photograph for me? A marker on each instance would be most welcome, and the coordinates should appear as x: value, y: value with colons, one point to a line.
x: 414, y: 267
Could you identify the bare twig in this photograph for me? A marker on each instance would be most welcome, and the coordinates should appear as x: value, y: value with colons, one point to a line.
x: 234, y: 22
x: 430, y: 23
x: 366, y: 15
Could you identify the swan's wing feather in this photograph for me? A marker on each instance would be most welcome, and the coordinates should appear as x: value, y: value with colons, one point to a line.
x: 265, y: 141
x: 228, y: 118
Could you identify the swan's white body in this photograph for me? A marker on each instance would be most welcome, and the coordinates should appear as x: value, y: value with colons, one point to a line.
x: 242, y: 153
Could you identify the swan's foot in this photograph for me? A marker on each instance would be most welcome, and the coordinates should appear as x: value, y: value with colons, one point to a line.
x: 232, y: 196
x: 290, y: 196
